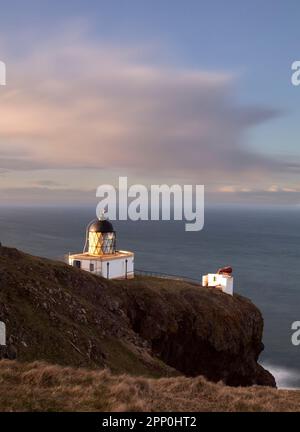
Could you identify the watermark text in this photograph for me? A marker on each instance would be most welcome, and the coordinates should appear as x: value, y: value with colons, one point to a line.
x: 157, y: 202
x: 296, y: 333
x: 2, y: 333
x: 2, y: 73
x: 295, y: 78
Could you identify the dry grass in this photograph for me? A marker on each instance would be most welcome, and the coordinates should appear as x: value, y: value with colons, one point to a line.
x: 43, y: 387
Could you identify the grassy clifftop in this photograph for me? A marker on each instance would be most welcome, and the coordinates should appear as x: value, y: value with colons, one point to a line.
x: 43, y: 387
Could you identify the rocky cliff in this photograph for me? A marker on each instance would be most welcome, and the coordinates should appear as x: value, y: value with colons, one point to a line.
x: 146, y: 326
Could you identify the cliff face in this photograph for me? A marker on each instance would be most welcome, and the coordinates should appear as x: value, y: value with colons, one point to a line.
x: 200, y: 331
x: 145, y: 326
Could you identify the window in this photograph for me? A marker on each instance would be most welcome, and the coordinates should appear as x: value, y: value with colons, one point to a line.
x: 92, y: 267
x: 77, y: 264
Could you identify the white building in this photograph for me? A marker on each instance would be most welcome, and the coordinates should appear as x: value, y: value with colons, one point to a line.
x: 100, y: 255
x: 222, y: 280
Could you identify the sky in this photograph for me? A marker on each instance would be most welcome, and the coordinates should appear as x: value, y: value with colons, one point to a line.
x: 187, y: 92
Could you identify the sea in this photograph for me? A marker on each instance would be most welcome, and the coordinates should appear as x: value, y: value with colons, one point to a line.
x: 261, y: 244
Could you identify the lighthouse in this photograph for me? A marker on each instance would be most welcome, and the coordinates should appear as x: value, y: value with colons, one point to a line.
x: 100, y: 255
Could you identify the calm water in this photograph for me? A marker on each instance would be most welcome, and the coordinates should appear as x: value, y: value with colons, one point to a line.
x: 262, y: 246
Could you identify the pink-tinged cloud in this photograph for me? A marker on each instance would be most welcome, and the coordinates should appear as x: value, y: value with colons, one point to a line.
x: 73, y: 104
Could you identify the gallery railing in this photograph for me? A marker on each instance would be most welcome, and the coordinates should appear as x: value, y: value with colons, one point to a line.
x: 140, y: 272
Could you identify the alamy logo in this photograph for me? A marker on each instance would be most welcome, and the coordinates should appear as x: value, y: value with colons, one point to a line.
x: 2, y: 333
x: 296, y: 333
x: 295, y: 78
x: 2, y: 73
x: 157, y: 202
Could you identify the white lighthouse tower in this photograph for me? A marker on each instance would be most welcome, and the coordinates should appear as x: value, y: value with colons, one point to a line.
x: 100, y: 255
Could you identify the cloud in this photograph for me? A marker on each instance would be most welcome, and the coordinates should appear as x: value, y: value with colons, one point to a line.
x: 46, y: 195
x: 270, y: 195
x: 72, y: 103
x: 47, y: 184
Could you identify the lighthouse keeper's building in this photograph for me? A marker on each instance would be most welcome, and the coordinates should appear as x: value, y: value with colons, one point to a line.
x: 100, y: 255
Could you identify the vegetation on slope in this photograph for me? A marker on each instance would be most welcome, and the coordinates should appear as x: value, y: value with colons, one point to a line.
x: 63, y: 315
x: 42, y: 387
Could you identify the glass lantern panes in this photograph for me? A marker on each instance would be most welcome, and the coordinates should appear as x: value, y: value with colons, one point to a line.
x: 102, y: 243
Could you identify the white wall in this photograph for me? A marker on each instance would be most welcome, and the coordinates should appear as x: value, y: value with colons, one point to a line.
x: 117, y: 266
x: 214, y: 279
x: 130, y: 266
x: 227, y: 285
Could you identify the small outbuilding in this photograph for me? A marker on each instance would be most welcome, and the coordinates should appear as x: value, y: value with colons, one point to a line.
x: 222, y: 280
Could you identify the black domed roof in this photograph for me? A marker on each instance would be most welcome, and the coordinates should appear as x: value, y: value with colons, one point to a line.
x: 103, y: 226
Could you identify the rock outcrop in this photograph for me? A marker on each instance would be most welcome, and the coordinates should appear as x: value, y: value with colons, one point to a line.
x: 200, y: 331
x: 145, y: 326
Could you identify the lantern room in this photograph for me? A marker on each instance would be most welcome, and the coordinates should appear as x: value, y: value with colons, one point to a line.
x: 101, y: 237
